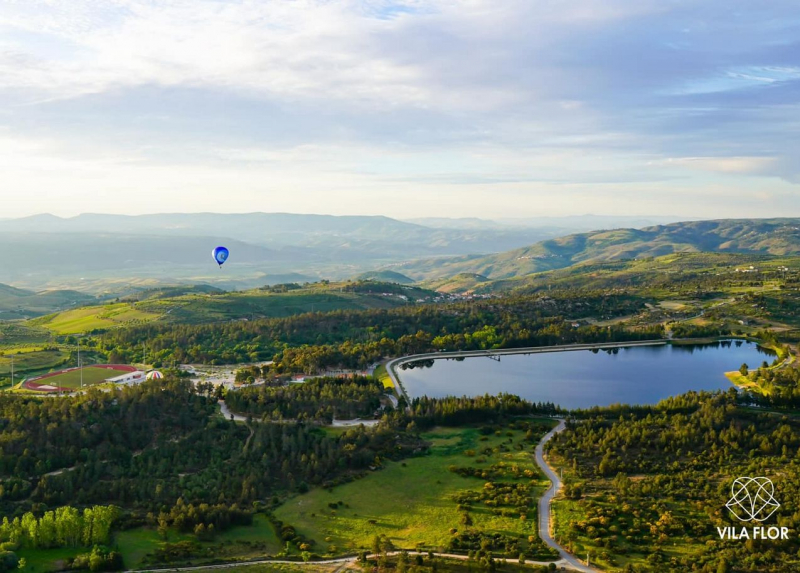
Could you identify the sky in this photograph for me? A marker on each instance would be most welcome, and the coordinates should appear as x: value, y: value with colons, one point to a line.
x: 409, y: 108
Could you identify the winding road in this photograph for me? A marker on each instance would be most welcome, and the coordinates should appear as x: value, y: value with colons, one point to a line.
x: 545, y: 513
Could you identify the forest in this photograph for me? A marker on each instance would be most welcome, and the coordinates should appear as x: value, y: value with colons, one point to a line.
x: 317, y: 399
x: 312, y: 342
x: 645, y: 481
x: 128, y: 447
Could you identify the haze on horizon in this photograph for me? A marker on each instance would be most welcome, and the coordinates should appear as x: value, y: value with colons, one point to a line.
x: 405, y: 108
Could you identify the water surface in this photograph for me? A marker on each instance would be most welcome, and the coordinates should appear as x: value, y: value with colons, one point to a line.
x: 584, y: 378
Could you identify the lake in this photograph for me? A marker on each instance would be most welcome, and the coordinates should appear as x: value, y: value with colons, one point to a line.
x: 585, y: 378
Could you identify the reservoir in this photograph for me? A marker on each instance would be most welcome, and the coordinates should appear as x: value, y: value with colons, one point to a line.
x: 585, y: 378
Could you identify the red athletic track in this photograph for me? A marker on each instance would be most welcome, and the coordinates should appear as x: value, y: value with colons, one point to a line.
x: 35, y: 383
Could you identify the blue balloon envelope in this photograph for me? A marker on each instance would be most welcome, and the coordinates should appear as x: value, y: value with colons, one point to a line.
x: 220, y: 255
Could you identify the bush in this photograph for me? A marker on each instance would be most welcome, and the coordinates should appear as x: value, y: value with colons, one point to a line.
x: 8, y: 561
x: 99, y: 559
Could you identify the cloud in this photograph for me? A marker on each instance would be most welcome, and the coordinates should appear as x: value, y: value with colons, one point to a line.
x: 737, y: 165
x: 371, y: 97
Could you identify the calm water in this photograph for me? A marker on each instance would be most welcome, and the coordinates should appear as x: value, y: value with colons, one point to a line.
x: 583, y: 378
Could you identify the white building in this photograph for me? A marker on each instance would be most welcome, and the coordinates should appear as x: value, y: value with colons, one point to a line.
x: 128, y: 378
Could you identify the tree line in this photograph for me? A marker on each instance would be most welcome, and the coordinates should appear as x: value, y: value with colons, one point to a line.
x: 318, y: 399
x: 64, y: 527
x: 314, y: 341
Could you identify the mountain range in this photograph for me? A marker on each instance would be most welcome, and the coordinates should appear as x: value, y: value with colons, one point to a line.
x: 118, y: 255
x: 91, y: 251
x: 754, y: 236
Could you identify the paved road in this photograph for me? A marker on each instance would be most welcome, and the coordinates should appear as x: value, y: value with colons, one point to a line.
x: 352, y: 423
x: 544, y: 505
x: 223, y: 408
x: 226, y: 412
x: 338, y: 561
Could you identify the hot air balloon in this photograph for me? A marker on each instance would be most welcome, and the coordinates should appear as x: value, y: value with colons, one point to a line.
x: 220, y: 255
x: 155, y: 375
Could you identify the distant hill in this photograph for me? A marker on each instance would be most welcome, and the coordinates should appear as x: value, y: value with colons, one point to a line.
x: 170, y: 291
x: 460, y: 283
x: 556, y: 225
x: 386, y: 277
x: 101, y: 253
x: 669, y: 272
x: 755, y: 236
x: 204, y: 304
x: 19, y: 303
x: 356, y: 234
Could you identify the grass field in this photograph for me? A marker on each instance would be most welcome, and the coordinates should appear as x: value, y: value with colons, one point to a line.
x: 46, y: 560
x: 201, y: 308
x: 89, y: 318
x: 258, y: 303
x: 411, y: 502
x: 382, y: 375
x: 248, y: 542
x: 72, y: 378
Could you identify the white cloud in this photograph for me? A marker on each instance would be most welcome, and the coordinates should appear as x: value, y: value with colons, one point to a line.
x: 361, y: 105
x: 739, y: 165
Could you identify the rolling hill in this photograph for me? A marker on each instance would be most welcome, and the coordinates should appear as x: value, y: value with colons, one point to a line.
x: 18, y: 303
x: 202, y: 304
x: 107, y: 253
x: 385, y: 276
x: 753, y: 236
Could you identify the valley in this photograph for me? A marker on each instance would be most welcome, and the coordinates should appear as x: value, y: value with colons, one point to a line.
x: 282, y: 471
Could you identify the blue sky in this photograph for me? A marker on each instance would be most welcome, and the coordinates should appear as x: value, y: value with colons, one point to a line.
x: 407, y: 108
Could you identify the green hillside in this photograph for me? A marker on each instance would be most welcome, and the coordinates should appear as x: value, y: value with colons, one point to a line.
x: 194, y: 305
x: 677, y: 270
x: 385, y: 277
x: 17, y: 303
x: 754, y: 236
x: 461, y: 283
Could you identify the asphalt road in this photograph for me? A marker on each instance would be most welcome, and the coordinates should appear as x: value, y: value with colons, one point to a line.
x: 338, y: 561
x: 545, y: 514
x: 226, y: 412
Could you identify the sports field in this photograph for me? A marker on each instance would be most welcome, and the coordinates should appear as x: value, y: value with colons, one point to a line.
x: 71, y: 379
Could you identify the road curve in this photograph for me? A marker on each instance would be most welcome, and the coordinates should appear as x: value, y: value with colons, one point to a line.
x: 226, y: 412
x: 545, y: 513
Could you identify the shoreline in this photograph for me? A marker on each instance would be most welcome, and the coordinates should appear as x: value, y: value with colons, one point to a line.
x: 394, y: 363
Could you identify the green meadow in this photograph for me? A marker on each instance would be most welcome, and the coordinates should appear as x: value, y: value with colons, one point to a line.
x: 90, y: 318
x: 411, y: 502
x: 138, y: 546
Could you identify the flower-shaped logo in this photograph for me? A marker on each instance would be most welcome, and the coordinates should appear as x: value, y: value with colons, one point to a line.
x: 752, y: 499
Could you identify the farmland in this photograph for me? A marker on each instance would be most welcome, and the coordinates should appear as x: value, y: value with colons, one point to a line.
x: 31, y: 359
x: 92, y: 318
